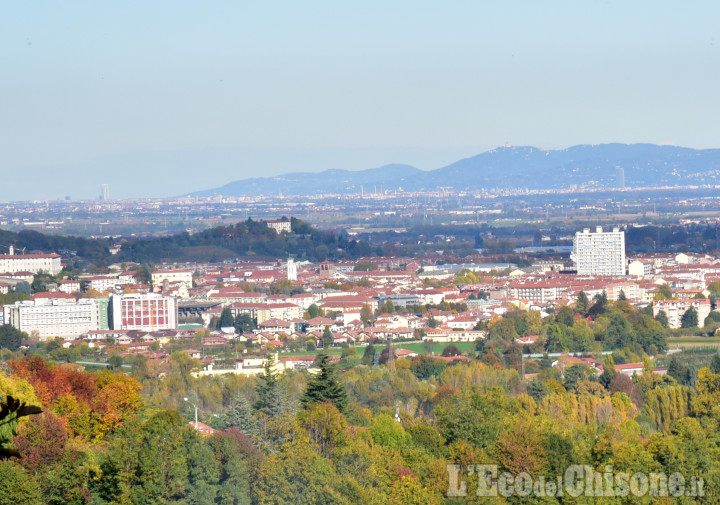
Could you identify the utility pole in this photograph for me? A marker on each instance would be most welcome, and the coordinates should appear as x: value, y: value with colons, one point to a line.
x: 196, y: 409
x: 392, y: 356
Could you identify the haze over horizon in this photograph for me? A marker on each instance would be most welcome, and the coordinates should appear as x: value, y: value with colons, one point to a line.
x: 160, y: 99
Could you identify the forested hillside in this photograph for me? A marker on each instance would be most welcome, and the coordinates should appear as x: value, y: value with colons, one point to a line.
x: 253, y: 238
x: 245, y: 239
x: 354, y: 433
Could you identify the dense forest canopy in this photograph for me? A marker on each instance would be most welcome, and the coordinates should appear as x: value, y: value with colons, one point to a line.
x: 354, y: 433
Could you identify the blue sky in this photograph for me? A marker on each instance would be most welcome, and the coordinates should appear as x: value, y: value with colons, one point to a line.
x: 162, y: 98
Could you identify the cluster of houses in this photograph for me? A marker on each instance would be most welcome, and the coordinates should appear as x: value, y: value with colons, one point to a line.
x: 357, y: 305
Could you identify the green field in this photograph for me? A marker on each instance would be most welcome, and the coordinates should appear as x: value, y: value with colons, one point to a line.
x: 437, y: 347
x: 692, y: 341
x: 411, y: 346
x: 505, y: 223
x: 331, y: 352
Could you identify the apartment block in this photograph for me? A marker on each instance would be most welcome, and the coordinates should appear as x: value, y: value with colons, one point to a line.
x: 144, y: 312
x: 53, y: 317
x: 675, y: 310
x: 599, y: 252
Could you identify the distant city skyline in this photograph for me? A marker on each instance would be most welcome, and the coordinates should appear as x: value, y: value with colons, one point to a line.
x: 163, y: 99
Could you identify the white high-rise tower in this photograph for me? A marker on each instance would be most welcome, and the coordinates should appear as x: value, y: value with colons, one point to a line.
x: 291, y: 270
x: 599, y: 252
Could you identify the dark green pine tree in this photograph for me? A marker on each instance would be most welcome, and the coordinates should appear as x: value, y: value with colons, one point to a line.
x: 10, y: 337
x: 244, y: 323
x: 327, y: 337
x: 537, y: 389
x: 545, y: 362
x: 325, y: 386
x: 369, y: 355
x: 240, y: 415
x: 715, y: 364
x: 226, y: 319
x: 689, y: 318
x: 609, y: 372
x: 599, y: 306
x: 581, y: 304
x: 680, y: 372
x: 662, y: 319
x: 271, y: 395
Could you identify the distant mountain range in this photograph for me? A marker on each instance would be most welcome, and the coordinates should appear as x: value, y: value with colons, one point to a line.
x: 584, y: 166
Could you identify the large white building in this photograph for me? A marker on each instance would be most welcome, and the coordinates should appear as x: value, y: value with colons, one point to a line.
x: 675, y: 310
x: 249, y: 366
x: 537, y: 290
x: 640, y: 268
x: 599, y: 252
x: 101, y: 283
x: 56, y: 317
x: 172, y: 276
x: 279, y: 225
x: 144, y: 312
x: 11, y: 263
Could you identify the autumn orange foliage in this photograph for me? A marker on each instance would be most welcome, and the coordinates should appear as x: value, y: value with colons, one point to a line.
x: 91, y: 404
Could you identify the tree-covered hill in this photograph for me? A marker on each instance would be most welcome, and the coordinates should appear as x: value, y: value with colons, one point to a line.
x: 248, y: 238
x: 245, y: 239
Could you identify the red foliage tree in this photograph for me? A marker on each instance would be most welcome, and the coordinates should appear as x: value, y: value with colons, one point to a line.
x: 51, y: 382
x: 41, y: 441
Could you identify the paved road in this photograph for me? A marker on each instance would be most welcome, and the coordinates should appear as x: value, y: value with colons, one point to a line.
x: 100, y: 363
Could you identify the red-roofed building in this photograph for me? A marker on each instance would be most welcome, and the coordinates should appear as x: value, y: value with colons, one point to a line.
x: 69, y: 286
x: 452, y: 358
x: 214, y: 340
x: 530, y: 339
x: 318, y: 324
x: 34, y: 263
x: 405, y: 353
x: 203, y: 428
x: 52, y: 296
x: 568, y: 361
x: 276, y: 325
x: 265, y: 276
x: 462, y: 322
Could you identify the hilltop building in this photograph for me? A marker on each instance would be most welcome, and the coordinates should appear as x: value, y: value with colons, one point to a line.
x: 279, y: 225
x: 12, y: 263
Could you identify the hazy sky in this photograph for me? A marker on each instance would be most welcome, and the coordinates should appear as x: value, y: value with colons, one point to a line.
x: 162, y: 98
